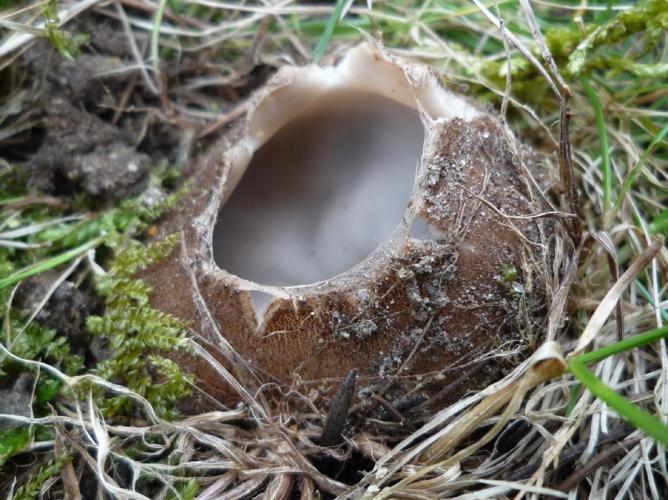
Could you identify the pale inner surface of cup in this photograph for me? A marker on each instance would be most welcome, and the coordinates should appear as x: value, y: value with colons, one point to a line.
x: 321, y: 194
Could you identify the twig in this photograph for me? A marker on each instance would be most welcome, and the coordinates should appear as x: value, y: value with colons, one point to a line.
x: 67, y: 474
x: 566, y: 167
x: 540, y: 42
x: 597, y: 461
x: 389, y: 407
x: 338, y: 412
x: 425, y: 329
x: 570, y: 454
x: 228, y: 117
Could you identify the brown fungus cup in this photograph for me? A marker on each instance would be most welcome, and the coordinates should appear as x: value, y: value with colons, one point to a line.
x: 359, y: 216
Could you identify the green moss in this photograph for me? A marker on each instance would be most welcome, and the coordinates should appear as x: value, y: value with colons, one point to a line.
x: 67, y: 44
x: 186, y: 490
x: 38, y: 342
x: 579, y: 49
x: 13, y: 439
x: 31, y: 489
x: 562, y: 40
x: 649, y: 18
x: 139, y: 335
x: 149, y: 332
x: 509, y: 273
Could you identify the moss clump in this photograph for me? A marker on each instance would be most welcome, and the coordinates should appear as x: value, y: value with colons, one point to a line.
x: 31, y: 489
x: 65, y: 43
x: 139, y: 335
x: 32, y: 341
x: 649, y: 18
x: 579, y: 50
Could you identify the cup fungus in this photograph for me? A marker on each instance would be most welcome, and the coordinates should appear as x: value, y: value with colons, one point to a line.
x: 387, y: 222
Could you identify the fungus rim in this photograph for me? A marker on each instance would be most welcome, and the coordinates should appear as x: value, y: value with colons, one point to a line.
x: 411, y: 85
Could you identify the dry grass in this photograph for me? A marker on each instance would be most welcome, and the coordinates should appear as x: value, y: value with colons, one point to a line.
x: 534, y: 432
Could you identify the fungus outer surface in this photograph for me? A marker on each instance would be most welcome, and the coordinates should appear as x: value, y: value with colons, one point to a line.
x: 323, y: 192
x: 441, y: 219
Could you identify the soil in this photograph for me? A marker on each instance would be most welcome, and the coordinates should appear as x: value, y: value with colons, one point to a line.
x: 81, y: 153
x: 93, y: 126
x: 15, y: 399
x: 65, y: 311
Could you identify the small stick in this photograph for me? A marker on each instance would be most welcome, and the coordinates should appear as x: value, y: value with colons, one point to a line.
x: 228, y: 117
x: 440, y: 396
x: 389, y: 407
x: 67, y: 474
x: 338, y: 412
x: 569, y: 455
x: 417, y: 344
x: 597, y: 461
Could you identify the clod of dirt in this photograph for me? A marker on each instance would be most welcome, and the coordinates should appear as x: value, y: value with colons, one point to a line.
x: 88, y: 79
x: 65, y: 311
x: 83, y: 153
x: 105, y: 36
x: 16, y: 399
x: 456, y: 284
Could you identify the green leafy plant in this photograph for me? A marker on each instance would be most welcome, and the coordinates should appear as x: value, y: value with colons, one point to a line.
x: 186, y: 490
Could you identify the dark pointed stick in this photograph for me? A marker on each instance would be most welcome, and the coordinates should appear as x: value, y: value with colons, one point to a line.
x: 338, y: 412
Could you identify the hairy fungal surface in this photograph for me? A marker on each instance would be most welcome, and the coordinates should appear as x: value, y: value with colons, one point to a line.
x: 323, y: 192
x: 359, y: 217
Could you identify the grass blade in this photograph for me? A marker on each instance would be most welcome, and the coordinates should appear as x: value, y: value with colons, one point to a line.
x: 603, y: 139
x: 659, y: 224
x: 650, y: 300
x: 329, y: 31
x: 155, y: 37
x: 624, y: 345
x: 642, y: 420
x: 633, y: 173
x: 48, y: 263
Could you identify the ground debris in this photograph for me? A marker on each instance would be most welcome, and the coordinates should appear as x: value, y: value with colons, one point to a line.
x: 83, y: 153
x: 65, y: 311
x: 16, y: 397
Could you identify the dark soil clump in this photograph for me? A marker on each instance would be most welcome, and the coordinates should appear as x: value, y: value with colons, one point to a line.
x: 65, y: 311
x: 15, y: 399
x: 83, y: 153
